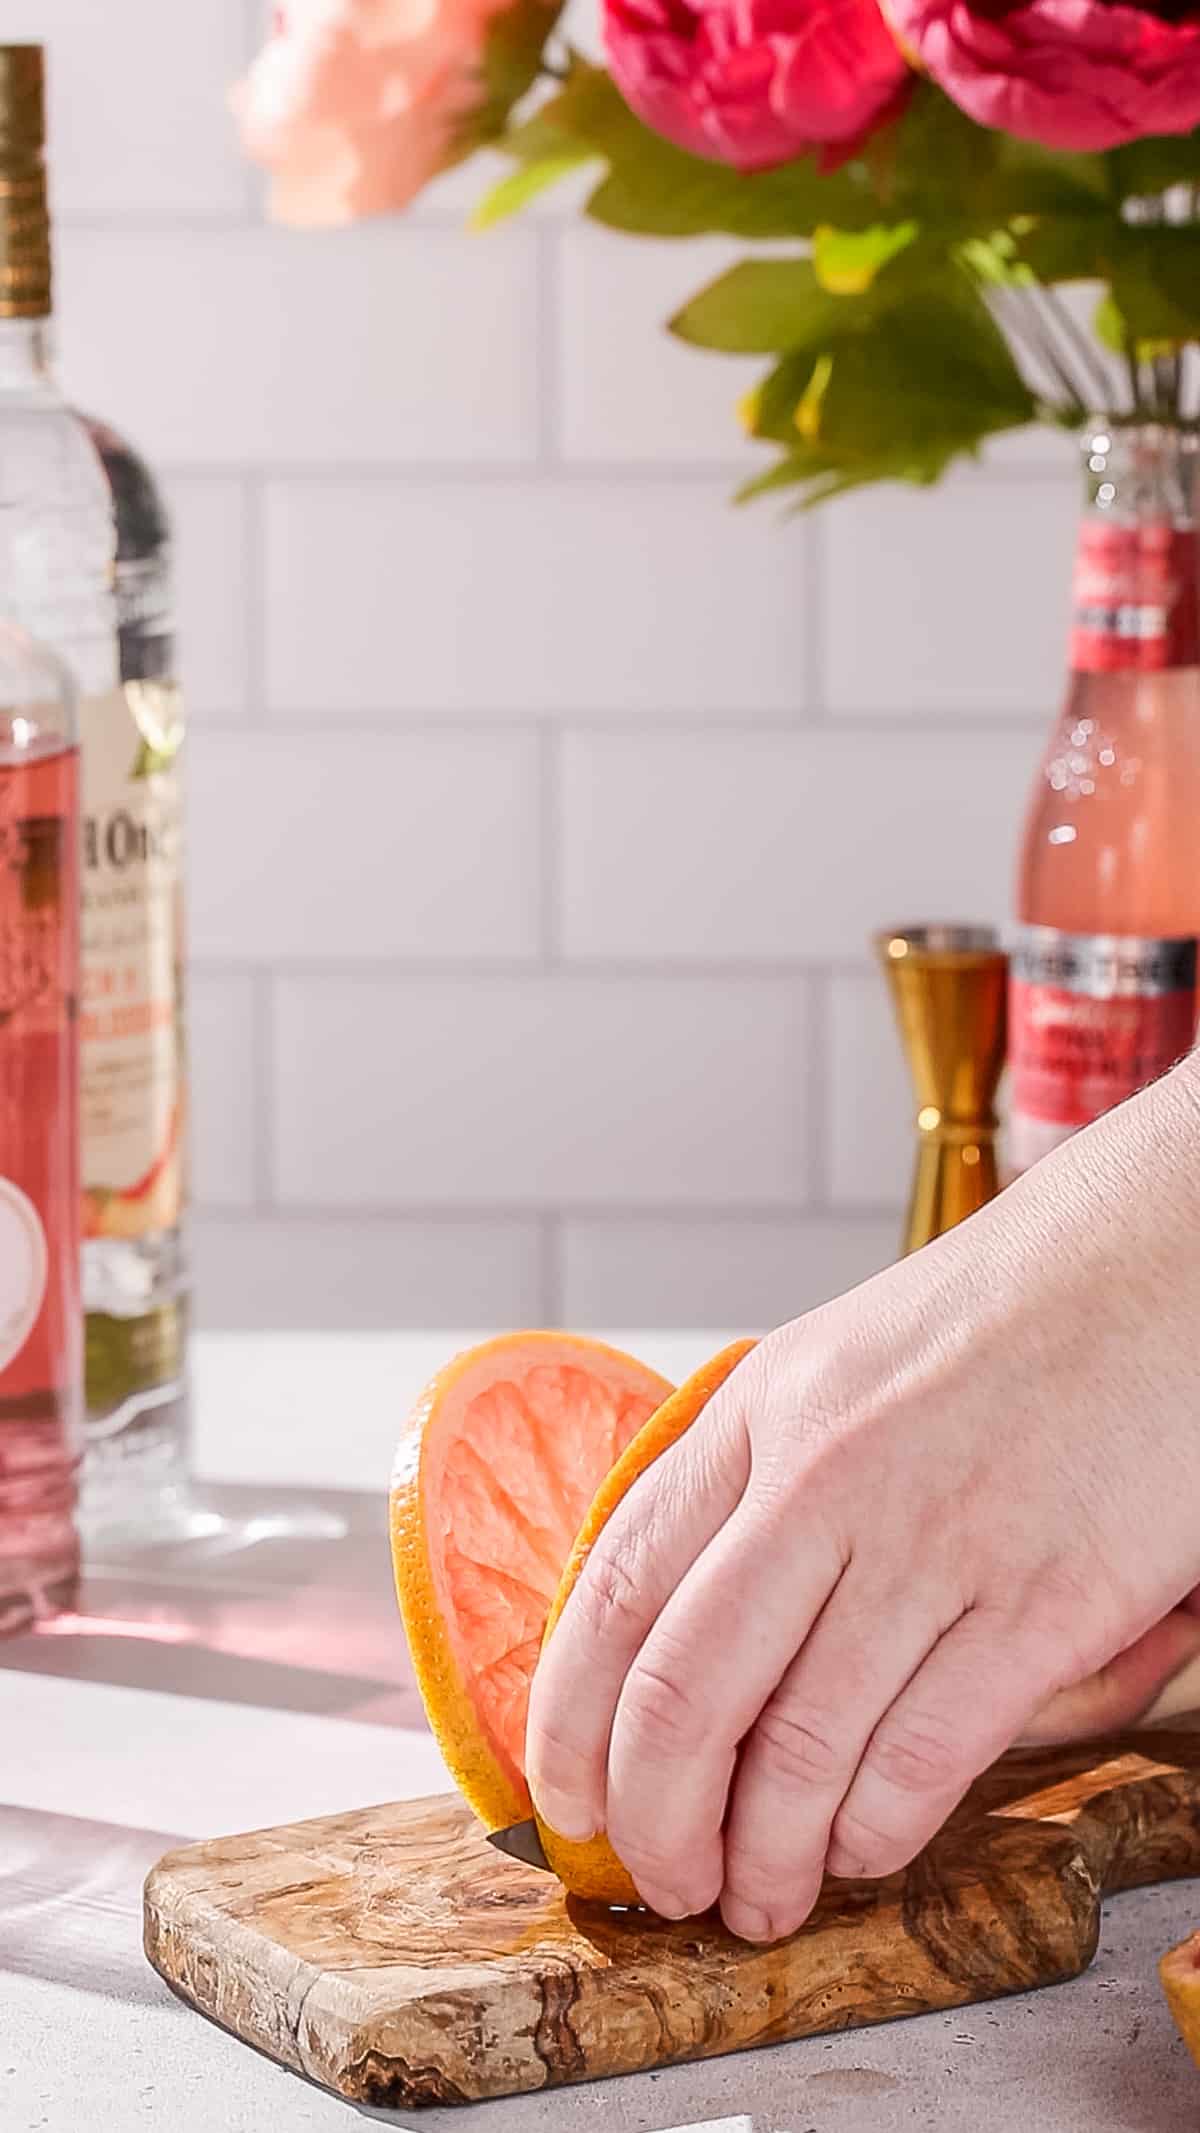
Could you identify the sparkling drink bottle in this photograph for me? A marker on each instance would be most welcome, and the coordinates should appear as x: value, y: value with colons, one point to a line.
x: 41, y: 1328
x: 1104, y: 966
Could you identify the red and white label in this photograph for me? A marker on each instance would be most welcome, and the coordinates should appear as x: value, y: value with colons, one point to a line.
x: 1135, y: 598
x: 1092, y: 1019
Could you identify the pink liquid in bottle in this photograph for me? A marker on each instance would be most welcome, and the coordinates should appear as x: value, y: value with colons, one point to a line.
x: 1103, y: 989
x: 41, y: 1326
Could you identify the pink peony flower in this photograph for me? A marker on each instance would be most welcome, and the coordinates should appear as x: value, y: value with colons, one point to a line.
x: 1075, y: 74
x: 353, y: 105
x: 756, y: 82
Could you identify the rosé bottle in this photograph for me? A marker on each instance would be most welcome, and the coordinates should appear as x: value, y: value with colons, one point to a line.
x: 41, y: 1330
x: 1103, y: 987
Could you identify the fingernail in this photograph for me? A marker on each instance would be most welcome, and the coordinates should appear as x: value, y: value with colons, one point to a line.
x: 665, y: 1906
x: 566, y: 1816
x: 842, y: 1866
x: 747, y: 1922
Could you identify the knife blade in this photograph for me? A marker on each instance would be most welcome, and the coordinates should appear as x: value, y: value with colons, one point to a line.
x: 521, y: 1841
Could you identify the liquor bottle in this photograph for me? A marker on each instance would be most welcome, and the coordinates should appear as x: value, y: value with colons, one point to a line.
x: 59, y: 582
x: 136, y: 1287
x: 41, y: 1326
x: 1103, y: 985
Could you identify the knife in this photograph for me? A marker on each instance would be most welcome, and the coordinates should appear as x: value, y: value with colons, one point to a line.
x: 521, y: 1841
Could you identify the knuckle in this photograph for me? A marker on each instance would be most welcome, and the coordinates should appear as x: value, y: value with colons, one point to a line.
x: 551, y: 1752
x: 662, y: 1712
x: 612, y: 1593
x: 918, y: 1755
x: 875, y: 1852
x: 752, y: 1874
x: 797, y: 1749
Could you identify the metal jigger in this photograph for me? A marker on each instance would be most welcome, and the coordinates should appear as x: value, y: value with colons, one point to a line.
x: 949, y: 989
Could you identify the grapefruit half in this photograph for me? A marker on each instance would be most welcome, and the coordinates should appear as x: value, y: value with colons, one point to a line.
x: 510, y: 1466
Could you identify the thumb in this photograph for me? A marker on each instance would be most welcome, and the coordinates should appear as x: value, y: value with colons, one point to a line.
x: 1157, y: 1676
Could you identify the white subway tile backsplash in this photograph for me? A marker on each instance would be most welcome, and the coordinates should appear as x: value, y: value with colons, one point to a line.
x: 138, y: 119
x: 871, y: 1104
x: 534, y: 1091
x: 547, y: 596
x: 628, y: 390
x: 421, y: 476
x: 709, y: 846
x: 223, y: 1067
x: 259, y: 346
x: 703, y: 1272
x: 350, y: 846
x: 952, y: 601
x: 212, y: 582
x: 291, y: 1274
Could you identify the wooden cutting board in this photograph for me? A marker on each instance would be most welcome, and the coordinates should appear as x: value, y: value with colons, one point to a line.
x: 394, y: 1956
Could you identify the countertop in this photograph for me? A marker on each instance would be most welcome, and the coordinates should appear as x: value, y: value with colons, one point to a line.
x: 259, y: 1676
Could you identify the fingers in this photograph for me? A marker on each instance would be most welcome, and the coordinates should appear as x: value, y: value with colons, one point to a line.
x: 967, y: 1703
x: 1157, y: 1676
x: 799, y: 1761
x: 711, y: 1660
x: 647, y: 1547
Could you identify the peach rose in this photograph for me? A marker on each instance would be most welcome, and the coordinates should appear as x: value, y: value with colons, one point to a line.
x: 353, y: 105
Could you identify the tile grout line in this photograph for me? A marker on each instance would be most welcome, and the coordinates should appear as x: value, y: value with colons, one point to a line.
x: 450, y: 1214
x: 816, y: 690
x: 551, y: 872
x: 547, y: 369
x: 254, y: 634
x: 263, y: 1085
x: 685, y: 725
x: 551, y: 1246
x: 818, y: 1117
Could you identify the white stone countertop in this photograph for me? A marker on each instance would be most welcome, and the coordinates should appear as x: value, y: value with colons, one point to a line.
x: 261, y: 1677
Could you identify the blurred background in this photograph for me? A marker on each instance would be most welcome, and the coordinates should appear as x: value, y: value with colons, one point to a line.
x: 541, y: 802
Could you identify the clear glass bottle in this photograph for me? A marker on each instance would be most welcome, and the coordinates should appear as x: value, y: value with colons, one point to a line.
x: 41, y: 1325
x: 136, y: 1277
x: 62, y: 578
x: 1103, y: 987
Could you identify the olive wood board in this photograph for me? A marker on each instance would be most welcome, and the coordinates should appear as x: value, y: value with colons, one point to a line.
x: 393, y: 1956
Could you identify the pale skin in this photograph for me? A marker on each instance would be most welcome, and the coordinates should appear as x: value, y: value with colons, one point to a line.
x: 957, y: 1507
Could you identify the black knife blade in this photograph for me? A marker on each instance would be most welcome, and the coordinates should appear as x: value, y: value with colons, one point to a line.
x: 521, y: 1841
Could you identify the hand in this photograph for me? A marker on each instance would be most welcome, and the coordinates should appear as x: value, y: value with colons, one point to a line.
x: 908, y: 1524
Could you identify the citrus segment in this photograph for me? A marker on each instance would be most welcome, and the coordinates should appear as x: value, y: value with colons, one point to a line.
x: 592, y: 1869
x: 494, y: 1475
x: 1180, y: 1975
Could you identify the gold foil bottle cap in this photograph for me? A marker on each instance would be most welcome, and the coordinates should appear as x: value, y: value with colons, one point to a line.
x: 24, y: 215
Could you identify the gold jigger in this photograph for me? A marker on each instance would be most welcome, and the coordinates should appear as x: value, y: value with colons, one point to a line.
x: 949, y: 990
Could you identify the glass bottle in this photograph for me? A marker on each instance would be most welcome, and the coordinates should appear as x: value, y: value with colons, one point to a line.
x: 136, y: 1276
x: 41, y: 1326
x: 1103, y: 985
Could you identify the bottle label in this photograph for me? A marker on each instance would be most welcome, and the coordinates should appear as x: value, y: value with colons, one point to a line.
x: 24, y: 1267
x: 1092, y: 1019
x: 133, y: 1140
x: 1136, y: 600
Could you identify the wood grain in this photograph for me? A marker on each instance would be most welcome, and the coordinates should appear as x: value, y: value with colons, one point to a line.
x: 393, y: 1956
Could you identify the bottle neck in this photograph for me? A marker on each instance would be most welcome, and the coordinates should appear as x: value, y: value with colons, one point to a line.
x: 1136, y: 593
x: 25, y: 354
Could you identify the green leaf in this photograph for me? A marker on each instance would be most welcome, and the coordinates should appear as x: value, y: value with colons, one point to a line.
x: 655, y: 189
x: 1155, y: 281
x: 950, y: 173
x: 1072, y: 249
x: 1109, y: 327
x: 510, y: 194
x: 933, y: 377
x: 1154, y: 165
x: 846, y: 261
x: 770, y: 410
x: 512, y: 53
x: 760, y: 306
